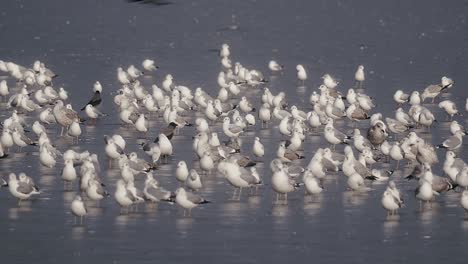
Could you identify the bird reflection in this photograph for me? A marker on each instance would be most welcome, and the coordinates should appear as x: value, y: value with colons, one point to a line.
x: 232, y: 211
x: 151, y: 2
x: 390, y: 224
x: 78, y: 232
x: 183, y: 224
x: 13, y: 213
x: 351, y: 198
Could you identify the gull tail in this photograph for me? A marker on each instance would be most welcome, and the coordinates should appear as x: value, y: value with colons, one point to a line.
x: 372, y: 178
x: 441, y: 146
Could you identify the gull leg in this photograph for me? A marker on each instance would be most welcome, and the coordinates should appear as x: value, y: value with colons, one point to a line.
x: 234, y: 193
x: 240, y: 191
x: 75, y: 220
x: 81, y: 220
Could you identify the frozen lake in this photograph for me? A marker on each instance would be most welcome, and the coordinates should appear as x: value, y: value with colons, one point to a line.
x: 403, y: 45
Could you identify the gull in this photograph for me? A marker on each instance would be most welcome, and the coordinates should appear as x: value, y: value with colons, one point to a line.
x: 68, y: 174
x: 446, y: 82
x: 449, y: 107
x: 63, y: 95
x: 390, y: 203
x: 226, y: 62
x: 95, y: 191
x: 258, y: 148
x: 432, y: 91
x: 149, y: 65
x: 301, y: 73
x: 316, y: 166
x: 356, y: 113
x: 188, y: 200
x: 21, y: 140
x: 168, y: 131
x: 138, y: 164
x: 452, y: 165
x: 438, y: 184
x: 360, y: 142
x: 274, y: 66
x: 182, y: 172
x: 136, y: 194
x: 92, y: 112
x: 238, y: 177
x: 400, y: 98
x: 165, y: 146
x: 356, y: 183
x: 396, y: 154
x: 455, y: 126
x: 223, y: 94
x: 334, y: 112
x: 64, y: 115
x: 396, y: 126
x: 38, y: 128
x: 287, y: 155
x: 224, y: 52
x: 150, y: 104
x: 193, y: 181
x: 282, y: 183
x: 381, y: 175
x: 168, y: 83
x: 462, y: 178
x: 377, y: 133
x: 311, y: 183
x: 153, y: 192
x: 365, y: 102
x: 78, y: 208
x: 334, y: 136
x: 141, y: 124
x: 230, y: 130
x: 19, y: 189
x: 47, y: 116
x: 47, y: 156
x: 74, y: 130
x: 264, y: 114
x: 113, y: 150
x: 425, y: 192
x: 415, y: 99
x: 453, y: 142
x: 464, y: 200
x: 214, y: 140
x: 314, y: 120
x: 4, y: 89
x: 206, y: 162
x: 245, y: 105
x: 359, y: 76
x: 423, y: 116
x: 6, y: 138
x: 96, y: 98
x: 134, y: 72
x: 403, y: 117
x: 394, y: 191
x: 123, y: 196
x: 329, y: 82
